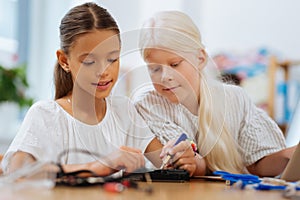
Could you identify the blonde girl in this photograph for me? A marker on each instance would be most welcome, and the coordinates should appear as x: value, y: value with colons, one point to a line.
x: 231, y: 132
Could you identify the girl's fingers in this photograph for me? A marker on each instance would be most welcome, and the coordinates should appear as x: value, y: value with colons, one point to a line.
x: 189, y: 164
x: 181, y: 147
x: 190, y: 168
x: 131, y: 163
x: 183, y: 161
x: 127, y: 158
x: 167, y: 148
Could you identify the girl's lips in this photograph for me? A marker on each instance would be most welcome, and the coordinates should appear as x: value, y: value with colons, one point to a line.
x: 103, y: 85
x: 170, y: 88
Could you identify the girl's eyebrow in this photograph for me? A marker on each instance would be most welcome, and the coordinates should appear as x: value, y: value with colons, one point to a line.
x: 87, y: 54
x: 94, y: 55
x: 114, y: 52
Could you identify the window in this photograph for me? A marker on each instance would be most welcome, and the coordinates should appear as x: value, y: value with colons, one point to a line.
x: 14, y: 15
x: 8, y: 31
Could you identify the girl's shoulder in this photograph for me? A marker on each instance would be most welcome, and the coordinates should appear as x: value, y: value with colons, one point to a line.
x: 237, y: 98
x: 235, y: 91
x: 43, y: 113
x: 44, y: 107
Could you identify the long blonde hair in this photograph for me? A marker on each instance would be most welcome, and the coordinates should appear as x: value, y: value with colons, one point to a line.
x: 176, y: 31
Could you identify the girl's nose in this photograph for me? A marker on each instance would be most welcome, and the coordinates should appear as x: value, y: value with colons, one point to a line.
x: 166, y: 74
x: 102, y: 70
x: 101, y: 74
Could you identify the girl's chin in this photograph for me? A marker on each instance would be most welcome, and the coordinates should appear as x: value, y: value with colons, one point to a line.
x: 168, y: 95
x: 172, y: 98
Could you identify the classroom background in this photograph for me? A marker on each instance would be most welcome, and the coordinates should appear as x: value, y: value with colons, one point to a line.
x: 255, y: 41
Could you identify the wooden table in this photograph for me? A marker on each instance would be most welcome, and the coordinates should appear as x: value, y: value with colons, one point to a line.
x: 195, y: 189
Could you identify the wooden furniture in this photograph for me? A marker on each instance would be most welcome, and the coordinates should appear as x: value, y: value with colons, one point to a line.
x: 274, y: 66
x: 195, y: 189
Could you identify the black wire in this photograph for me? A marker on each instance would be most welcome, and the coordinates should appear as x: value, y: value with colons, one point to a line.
x: 73, y: 178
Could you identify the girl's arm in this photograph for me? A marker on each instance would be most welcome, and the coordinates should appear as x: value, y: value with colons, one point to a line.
x: 153, y: 151
x: 18, y: 160
x: 273, y: 164
x: 126, y: 158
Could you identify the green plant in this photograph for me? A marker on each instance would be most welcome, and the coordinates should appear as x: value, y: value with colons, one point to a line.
x: 13, y: 84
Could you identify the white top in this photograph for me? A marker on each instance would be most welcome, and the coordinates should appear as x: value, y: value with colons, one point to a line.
x: 48, y: 129
x: 253, y: 130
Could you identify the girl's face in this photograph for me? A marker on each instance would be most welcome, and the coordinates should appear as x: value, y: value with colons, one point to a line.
x: 94, y: 62
x: 175, y: 75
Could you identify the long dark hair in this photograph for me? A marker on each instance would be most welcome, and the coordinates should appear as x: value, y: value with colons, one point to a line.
x: 79, y: 20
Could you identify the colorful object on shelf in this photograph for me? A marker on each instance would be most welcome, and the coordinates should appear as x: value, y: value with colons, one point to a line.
x: 243, y: 65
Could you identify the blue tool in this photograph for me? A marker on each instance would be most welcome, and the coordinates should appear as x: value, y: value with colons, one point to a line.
x: 255, y: 182
x: 182, y: 137
x: 233, y: 178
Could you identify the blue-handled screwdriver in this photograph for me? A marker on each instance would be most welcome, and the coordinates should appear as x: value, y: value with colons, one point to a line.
x: 166, y: 159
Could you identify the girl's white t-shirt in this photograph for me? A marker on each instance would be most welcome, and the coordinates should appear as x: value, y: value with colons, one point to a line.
x: 48, y: 130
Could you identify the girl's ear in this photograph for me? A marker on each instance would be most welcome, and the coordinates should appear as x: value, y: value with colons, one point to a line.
x: 63, y: 60
x: 202, y: 57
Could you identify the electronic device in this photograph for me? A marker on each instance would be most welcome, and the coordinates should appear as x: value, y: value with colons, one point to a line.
x: 160, y: 175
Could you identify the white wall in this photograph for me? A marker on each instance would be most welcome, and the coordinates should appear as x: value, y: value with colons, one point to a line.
x: 230, y: 25
x: 241, y: 25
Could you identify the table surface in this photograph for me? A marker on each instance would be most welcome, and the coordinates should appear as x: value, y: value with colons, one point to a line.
x: 194, y: 189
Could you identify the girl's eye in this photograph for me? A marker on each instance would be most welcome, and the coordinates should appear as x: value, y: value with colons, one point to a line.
x: 88, y: 62
x: 155, y: 69
x: 175, y: 64
x: 112, y: 60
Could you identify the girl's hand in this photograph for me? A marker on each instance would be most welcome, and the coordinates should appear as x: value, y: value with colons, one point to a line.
x: 126, y: 158
x: 184, y: 157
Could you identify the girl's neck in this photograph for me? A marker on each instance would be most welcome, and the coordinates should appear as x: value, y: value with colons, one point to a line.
x: 192, y: 105
x: 191, y: 102
x: 87, y: 108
